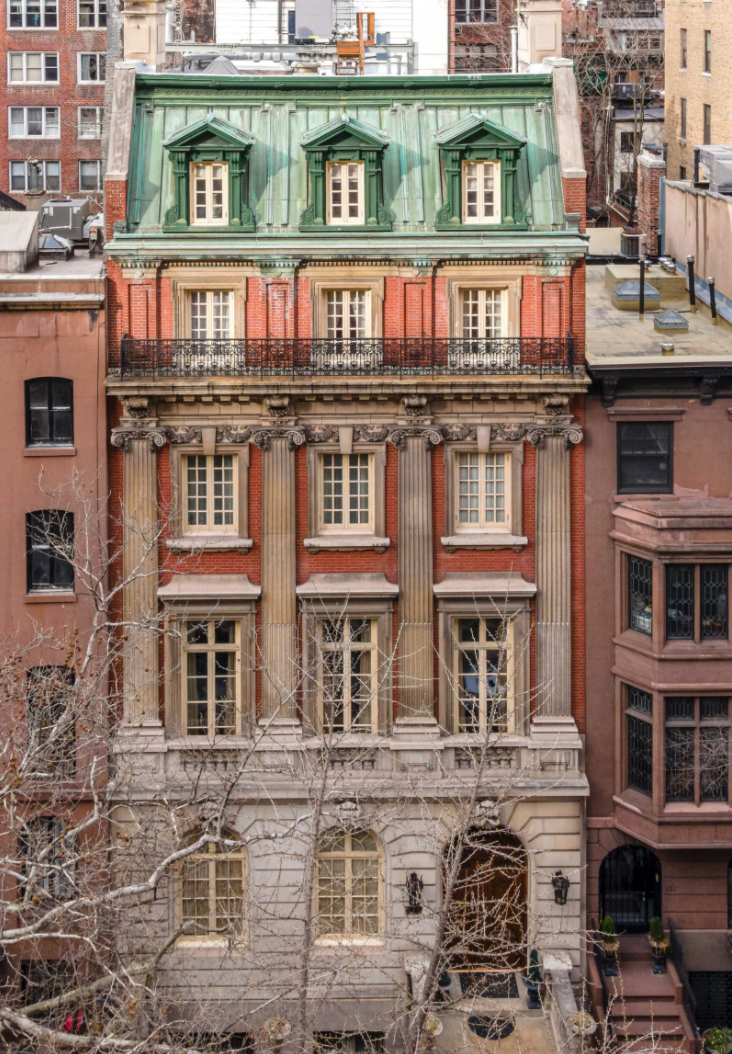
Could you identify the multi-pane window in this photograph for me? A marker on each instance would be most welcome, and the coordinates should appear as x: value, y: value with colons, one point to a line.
x: 645, y: 457
x: 49, y: 414
x: 348, y: 679
x: 481, y: 314
x: 90, y: 175
x: 639, y: 717
x: 92, y: 67
x: 707, y: 51
x: 209, y: 194
x: 26, y: 176
x: 683, y: 47
x: 682, y: 124
x: 480, y: 58
x: 210, y: 314
x: 92, y: 14
x: 348, y: 881
x: 212, y: 892
x: 697, y: 749
x: 707, y: 116
x: 483, y: 491
x: 640, y: 595
x: 51, y: 721
x: 90, y: 122
x: 33, y: 14
x: 696, y: 602
x: 46, y: 859
x: 31, y: 67
x: 481, y: 663
x: 476, y: 10
x: 210, y: 492
x: 210, y: 671
x: 349, y: 1042
x: 50, y: 534
x: 345, y: 192
x: 347, y: 314
x: 34, y: 122
x: 346, y: 492
x: 481, y: 192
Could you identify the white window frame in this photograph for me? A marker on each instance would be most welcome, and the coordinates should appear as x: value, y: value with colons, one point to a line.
x: 349, y: 935
x: 361, y: 299
x: 44, y: 187
x: 51, y: 872
x: 99, y: 182
x: 481, y: 173
x: 44, y: 122
x: 209, y: 220
x: 208, y: 297
x: 347, y: 646
x: 334, y: 168
x: 24, y: 56
x: 210, y: 648
x: 480, y: 490
x: 98, y: 4
x: 484, y: 646
x: 209, y: 493
x: 98, y: 55
x: 345, y: 462
x: 43, y: 5
x: 99, y: 117
x: 208, y: 856
x: 481, y: 294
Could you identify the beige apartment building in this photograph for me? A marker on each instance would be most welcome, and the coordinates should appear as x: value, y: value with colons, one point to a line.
x: 698, y: 84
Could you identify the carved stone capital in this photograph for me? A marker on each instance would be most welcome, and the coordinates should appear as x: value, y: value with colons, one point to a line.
x: 263, y: 437
x: 430, y: 436
x: 571, y: 434
x: 321, y: 434
x: 124, y: 437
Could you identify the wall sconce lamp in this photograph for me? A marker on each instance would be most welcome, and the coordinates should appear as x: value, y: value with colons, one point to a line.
x: 560, y: 885
x: 415, y: 885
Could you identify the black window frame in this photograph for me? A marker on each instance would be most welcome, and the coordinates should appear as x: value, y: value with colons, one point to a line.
x: 665, y: 488
x: 639, y: 737
x: 51, y: 409
x: 690, y: 722
x: 632, y: 567
x: 58, y: 534
x: 680, y: 619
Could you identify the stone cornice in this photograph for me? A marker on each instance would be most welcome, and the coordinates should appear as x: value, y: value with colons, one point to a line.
x: 192, y: 434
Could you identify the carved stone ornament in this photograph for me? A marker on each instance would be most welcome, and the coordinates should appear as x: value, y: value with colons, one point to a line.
x: 321, y: 434
x: 263, y: 437
x: 430, y: 436
x: 504, y: 433
x: 233, y: 435
x: 488, y: 814
x: 183, y: 434
x: 349, y: 815
x: 371, y: 434
x: 555, y: 405
x: 277, y: 405
x: 415, y: 405
x: 123, y: 438
x: 571, y: 434
x: 136, y: 406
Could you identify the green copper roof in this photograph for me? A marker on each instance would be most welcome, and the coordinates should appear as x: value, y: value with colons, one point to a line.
x: 406, y: 113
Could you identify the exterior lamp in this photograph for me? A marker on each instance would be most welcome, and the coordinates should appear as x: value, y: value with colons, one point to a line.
x: 560, y: 885
x: 415, y: 885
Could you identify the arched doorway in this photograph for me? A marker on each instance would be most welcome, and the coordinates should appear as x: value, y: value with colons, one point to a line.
x: 488, y: 916
x: 630, y: 887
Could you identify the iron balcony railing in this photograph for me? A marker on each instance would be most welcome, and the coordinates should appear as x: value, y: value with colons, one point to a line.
x: 345, y: 358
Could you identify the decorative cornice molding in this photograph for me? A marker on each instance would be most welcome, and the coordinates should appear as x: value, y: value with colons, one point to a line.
x: 182, y: 434
x: 505, y: 433
x: 263, y: 437
x: 322, y: 434
x: 124, y: 437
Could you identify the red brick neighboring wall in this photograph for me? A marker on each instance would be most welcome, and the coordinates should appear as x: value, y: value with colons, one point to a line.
x: 650, y: 175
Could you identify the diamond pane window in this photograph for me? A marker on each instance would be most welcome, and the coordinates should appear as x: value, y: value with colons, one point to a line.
x: 640, y: 755
x: 640, y: 595
x: 713, y: 585
x: 697, y: 749
x: 680, y: 601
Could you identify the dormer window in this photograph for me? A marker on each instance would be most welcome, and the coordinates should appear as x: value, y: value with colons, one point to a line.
x: 481, y: 192
x: 345, y: 192
x: 210, y: 205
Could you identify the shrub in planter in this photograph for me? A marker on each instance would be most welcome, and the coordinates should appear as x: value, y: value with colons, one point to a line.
x: 718, y: 1039
x: 610, y: 945
x: 659, y: 942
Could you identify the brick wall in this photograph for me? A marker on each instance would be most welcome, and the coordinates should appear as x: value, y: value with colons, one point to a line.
x: 651, y: 169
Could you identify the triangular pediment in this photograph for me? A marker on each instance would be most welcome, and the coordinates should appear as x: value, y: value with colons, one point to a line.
x: 210, y: 132
x: 345, y: 131
x: 477, y: 131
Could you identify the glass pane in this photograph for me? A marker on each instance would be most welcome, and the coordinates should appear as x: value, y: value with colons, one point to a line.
x: 713, y: 763
x: 33, y: 66
x: 471, y: 191
x: 468, y: 488
x: 680, y: 601
x: 365, y: 897
x: 469, y: 629
x: 640, y: 590
x: 332, y: 489
x: 680, y: 708
x: 495, y: 488
x: 197, y: 504
x: 713, y: 709
x: 51, y: 67
x: 225, y: 691
x: 336, y: 192
x: 17, y: 120
x: 52, y: 121
x: 360, y: 689
x: 363, y: 842
x: 40, y: 418
x: 217, y: 192
x: 333, y: 690
x: 223, y: 490
x: 640, y: 701
x: 336, y: 301
x: 714, y: 601
x: 640, y: 755
x: 195, y: 898
x: 196, y: 633
x: 332, y: 896
x: 358, y: 489
x: 53, y: 175
x: 644, y: 457
x: 489, y: 190
x: 679, y: 764
x: 229, y: 892
x: 353, y: 192
x: 356, y: 315
x: 199, y: 316
x: 469, y: 691
x: 15, y: 15
x: 225, y: 632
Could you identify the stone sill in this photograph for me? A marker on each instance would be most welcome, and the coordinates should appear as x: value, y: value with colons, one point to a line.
x: 485, y: 541
x: 347, y: 543
x: 214, y: 540
x: 50, y: 451
x: 51, y: 597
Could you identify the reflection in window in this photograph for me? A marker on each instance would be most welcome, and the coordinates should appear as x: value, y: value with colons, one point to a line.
x: 680, y: 601
x: 481, y: 667
x: 639, y: 718
x: 645, y: 457
x: 640, y: 595
x: 210, y: 667
x: 50, y: 534
x: 349, y: 667
x: 347, y: 883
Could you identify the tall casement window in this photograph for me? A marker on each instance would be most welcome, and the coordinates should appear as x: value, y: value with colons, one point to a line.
x: 50, y: 535
x: 480, y: 665
x: 484, y: 492
x: 209, y: 203
x: 211, y: 492
x: 348, y: 314
x: 707, y: 117
x: 345, y: 192
x: 476, y: 11
x: 345, y: 187
x: 48, y: 860
x: 211, y: 663
x: 697, y: 749
x: 211, y: 891
x: 481, y: 192
x: 347, y: 488
x: 480, y: 161
x: 31, y: 67
x: 210, y: 160
x: 33, y: 14
x: 640, y: 595
x: 483, y: 314
x: 49, y: 412
x: 349, y: 886
x: 696, y: 602
x: 51, y: 721
x: 210, y: 314
x: 639, y: 732
x: 645, y: 457
x: 707, y: 51
x: 349, y: 668
x: 682, y: 122
x: 683, y: 48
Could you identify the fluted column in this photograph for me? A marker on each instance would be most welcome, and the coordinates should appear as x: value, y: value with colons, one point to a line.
x: 554, y: 570
x: 140, y: 440
x: 416, y: 653
x: 279, y: 601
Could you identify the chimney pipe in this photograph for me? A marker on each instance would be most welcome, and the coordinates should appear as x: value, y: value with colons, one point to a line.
x: 696, y: 165
x: 514, y: 49
x: 642, y: 297
x: 692, y: 287
x: 712, y: 300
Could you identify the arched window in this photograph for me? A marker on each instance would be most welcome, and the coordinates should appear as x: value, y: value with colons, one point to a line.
x: 348, y: 885
x: 212, y: 890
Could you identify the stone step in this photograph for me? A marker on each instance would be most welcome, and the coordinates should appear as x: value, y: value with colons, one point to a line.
x: 645, y: 1026
x: 632, y: 1007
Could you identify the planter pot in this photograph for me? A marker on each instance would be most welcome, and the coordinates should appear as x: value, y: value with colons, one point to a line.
x: 610, y: 960
x: 659, y: 958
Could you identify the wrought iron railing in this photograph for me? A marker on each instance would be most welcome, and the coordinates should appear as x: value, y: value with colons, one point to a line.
x: 688, y: 998
x: 346, y: 358
x: 598, y: 952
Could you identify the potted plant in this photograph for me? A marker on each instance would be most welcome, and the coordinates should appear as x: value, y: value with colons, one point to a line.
x: 659, y: 942
x: 610, y: 946
x: 581, y: 1023
x: 718, y: 1040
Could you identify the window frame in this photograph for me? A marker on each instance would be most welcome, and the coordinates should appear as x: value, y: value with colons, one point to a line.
x: 209, y: 220
x: 372, y: 647
x: 483, y: 525
x: 226, y: 281
x: 99, y: 180
x: 322, y: 283
x: 181, y: 538
x: 459, y: 536
x: 210, y: 527
x: 210, y: 293
x: 505, y: 648
x: 65, y: 522
x: 347, y: 537
x: 707, y: 51
x: 97, y: 15
x: 348, y: 293
x: 697, y: 635
x: 325, y: 528
x: 98, y: 55
x: 44, y: 169
x: 43, y: 716
x: 707, y: 123
x: 683, y: 49
x: 502, y: 292
x: 210, y: 649
x: 347, y: 936
x: 647, y: 617
x: 664, y: 488
x: 696, y: 724
x: 56, y: 879
x: 43, y: 14
x: 52, y: 442
x: 44, y: 67
x: 642, y: 718
x: 511, y: 291
x: 346, y: 221
x: 683, y: 119
x: 480, y: 219
x: 209, y: 855
x: 44, y: 122
x: 99, y: 118
x: 482, y: 21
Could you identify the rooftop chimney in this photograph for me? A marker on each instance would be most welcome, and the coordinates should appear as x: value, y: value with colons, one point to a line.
x: 539, y: 32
